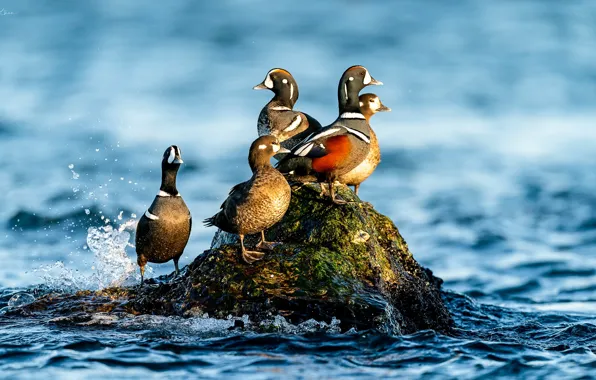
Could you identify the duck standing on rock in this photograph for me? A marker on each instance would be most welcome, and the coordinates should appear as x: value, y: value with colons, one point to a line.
x: 259, y: 203
x: 370, y: 104
x: 340, y: 147
x: 164, y: 229
x: 278, y: 117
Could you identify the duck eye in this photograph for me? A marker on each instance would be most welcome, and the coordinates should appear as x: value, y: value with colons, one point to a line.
x: 372, y: 100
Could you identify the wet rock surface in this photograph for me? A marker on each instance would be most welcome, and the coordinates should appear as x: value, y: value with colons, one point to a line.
x: 349, y: 262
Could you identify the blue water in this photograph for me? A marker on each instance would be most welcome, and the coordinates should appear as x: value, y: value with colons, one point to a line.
x: 488, y: 171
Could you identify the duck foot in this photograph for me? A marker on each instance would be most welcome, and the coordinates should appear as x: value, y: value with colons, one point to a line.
x: 251, y: 256
x: 267, y: 245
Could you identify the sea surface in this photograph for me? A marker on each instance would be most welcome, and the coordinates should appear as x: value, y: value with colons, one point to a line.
x: 488, y: 171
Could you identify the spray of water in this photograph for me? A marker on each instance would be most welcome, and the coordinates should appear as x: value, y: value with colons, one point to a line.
x: 112, y: 265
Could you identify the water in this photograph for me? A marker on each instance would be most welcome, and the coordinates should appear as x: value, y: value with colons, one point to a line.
x: 487, y: 171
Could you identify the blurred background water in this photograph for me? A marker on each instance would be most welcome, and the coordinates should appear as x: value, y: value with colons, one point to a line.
x: 487, y: 170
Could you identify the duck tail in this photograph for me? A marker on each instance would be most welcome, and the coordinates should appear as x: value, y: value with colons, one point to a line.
x: 210, y: 222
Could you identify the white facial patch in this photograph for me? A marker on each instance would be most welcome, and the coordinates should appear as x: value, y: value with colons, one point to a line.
x: 361, y: 104
x: 377, y: 104
x: 351, y: 79
x: 295, y: 123
x: 268, y: 81
x: 346, y: 90
x: 367, y: 77
x: 358, y: 134
x: 284, y: 81
x: 291, y: 90
x: 151, y: 216
x: 262, y: 146
x: 172, y: 156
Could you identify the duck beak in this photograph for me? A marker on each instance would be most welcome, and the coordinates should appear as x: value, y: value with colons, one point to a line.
x: 374, y: 82
x: 260, y: 86
x: 178, y: 160
x: 384, y: 108
x: 283, y: 150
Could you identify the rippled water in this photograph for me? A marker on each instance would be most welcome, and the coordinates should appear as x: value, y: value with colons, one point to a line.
x: 487, y: 170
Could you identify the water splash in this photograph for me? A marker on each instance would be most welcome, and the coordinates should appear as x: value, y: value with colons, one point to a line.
x: 20, y: 299
x: 279, y: 324
x: 60, y: 278
x: 112, y: 266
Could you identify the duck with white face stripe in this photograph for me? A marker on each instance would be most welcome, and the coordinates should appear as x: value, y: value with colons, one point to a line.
x: 278, y: 117
x: 164, y: 229
x: 257, y: 204
x: 343, y: 145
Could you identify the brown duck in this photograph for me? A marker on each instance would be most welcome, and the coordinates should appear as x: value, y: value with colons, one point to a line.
x: 257, y: 204
x: 164, y: 229
x: 370, y: 104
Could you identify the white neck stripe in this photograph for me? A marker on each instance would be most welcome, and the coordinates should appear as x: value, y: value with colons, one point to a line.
x: 151, y: 216
x: 166, y: 194
x: 281, y: 108
x: 351, y: 115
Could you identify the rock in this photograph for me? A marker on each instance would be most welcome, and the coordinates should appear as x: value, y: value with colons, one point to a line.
x: 348, y: 262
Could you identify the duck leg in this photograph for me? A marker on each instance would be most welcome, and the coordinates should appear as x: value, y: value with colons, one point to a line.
x: 356, y: 187
x: 250, y: 256
x: 142, y: 267
x: 264, y: 244
x: 177, y: 271
x: 333, y: 198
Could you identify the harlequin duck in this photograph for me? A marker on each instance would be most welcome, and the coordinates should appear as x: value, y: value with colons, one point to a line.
x: 259, y: 203
x: 343, y: 145
x: 164, y: 229
x: 369, y: 105
x: 278, y: 118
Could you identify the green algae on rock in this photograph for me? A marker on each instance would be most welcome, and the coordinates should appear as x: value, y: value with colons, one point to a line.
x: 346, y: 262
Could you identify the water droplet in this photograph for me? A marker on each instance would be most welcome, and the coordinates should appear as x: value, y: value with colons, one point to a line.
x: 87, y: 211
x: 20, y: 299
x: 71, y: 166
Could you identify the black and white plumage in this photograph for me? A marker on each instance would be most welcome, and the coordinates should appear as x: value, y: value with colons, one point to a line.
x: 340, y: 147
x: 257, y: 204
x: 164, y: 229
x: 278, y: 117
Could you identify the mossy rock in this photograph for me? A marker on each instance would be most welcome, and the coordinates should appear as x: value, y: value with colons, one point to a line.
x: 348, y: 262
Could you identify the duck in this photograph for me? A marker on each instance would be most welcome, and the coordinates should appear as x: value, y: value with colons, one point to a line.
x: 341, y: 146
x: 278, y: 117
x: 163, y: 231
x: 257, y: 204
x: 370, y: 104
